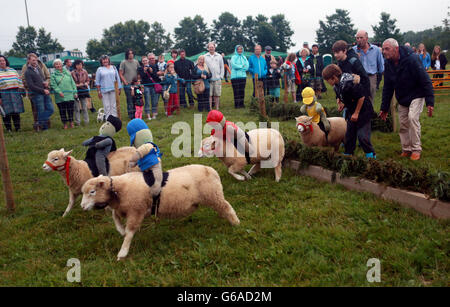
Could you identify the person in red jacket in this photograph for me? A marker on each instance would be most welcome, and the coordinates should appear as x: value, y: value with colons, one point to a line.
x: 230, y: 133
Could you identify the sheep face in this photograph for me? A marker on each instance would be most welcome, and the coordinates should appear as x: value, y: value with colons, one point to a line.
x: 303, y: 122
x: 57, y: 159
x: 96, y: 193
x: 208, y: 147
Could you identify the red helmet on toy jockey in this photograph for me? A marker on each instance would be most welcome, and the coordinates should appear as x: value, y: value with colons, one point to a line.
x: 216, y: 117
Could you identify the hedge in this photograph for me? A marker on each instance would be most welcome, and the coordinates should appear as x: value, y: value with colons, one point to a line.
x: 388, y: 172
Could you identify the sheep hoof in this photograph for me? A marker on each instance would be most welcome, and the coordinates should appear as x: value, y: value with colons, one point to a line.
x: 121, y: 256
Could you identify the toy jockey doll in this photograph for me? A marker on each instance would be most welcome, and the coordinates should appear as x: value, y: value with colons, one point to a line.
x: 101, y: 145
x: 147, y: 156
x: 315, y: 110
x: 229, y: 132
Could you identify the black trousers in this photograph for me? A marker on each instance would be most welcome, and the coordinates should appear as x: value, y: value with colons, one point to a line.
x: 361, y: 131
x: 300, y: 89
x: 12, y: 118
x: 66, y: 111
x: 203, y: 101
x: 239, y: 92
x: 186, y: 87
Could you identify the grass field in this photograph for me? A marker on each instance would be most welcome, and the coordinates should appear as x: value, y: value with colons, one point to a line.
x: 298, y: 232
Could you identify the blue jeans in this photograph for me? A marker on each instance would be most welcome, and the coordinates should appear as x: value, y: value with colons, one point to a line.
x: 44, y: 109
x: 151, y: 95
x: 147, y: 93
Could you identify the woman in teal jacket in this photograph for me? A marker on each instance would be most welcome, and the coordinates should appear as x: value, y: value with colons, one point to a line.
x: 239, y: 67
x: 65, y: 91
x: 424, y: 56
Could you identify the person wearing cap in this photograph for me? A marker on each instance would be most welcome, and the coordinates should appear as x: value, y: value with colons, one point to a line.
x: 147, y: 156
x: 269, y: 58
x: 230, y: 132
x: 314, y: 109
x: 101, y: 145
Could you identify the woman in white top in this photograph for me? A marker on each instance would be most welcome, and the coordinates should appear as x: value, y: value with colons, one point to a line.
x: 105, y: 78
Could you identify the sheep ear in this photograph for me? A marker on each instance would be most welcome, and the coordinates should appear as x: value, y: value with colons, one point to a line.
x: 310, y: 118
x: 66, y: 154
x: 62, y: 150
x: 297, y: 119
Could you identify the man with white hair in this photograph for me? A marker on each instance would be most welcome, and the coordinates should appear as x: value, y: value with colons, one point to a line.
x: 214, y: 61
x: 405, y: 74
x: 371, y: 58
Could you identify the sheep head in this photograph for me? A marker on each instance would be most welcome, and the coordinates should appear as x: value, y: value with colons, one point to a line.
x: 208, y: 147
x: 303, y: 122
x: 57, y: 159
x: 96, y: 193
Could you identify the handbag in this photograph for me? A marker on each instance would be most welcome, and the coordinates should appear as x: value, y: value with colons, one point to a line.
x: 158, y: 87
x: 166, y: 94
x: 199, y: 87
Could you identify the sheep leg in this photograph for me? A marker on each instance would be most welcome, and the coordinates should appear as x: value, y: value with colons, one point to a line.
x: 233, y: 171
x: 134, y: 221
x: 246, y: 175
x: 224, y: 209
x: 278, y: 171
x: 71, y: 203
x: 118, y: 223
x: 255, y: 168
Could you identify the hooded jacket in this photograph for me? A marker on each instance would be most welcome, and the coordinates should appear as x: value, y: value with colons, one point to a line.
x: 352, y: 65
x: 408, y: 79
x: 239, y: 65
x: 62, y: 82
x: 257, y: 66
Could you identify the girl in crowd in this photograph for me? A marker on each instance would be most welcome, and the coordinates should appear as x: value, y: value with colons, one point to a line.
x: 438, y: 61
x: 171, y: 79
x: 106, y: 75
x: 65, y: 91
x: 81, y: 77
x: 424, y: 56
x: 137, y: 92
x: 162, y: 66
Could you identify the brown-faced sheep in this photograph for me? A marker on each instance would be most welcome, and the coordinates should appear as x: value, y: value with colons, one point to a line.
x: 129, y: 197
x: 76, y: 172
x: 313, y: 136
x: 269, y: 146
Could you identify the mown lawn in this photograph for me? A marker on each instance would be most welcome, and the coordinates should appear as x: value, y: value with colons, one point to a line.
x: 298, y: 232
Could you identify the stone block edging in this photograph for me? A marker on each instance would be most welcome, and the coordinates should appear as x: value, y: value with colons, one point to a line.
x: 417, y: 201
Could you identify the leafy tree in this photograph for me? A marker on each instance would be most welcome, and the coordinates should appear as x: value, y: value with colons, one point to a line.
x: 248, y: 31
x: 25, y: 42
x: 226, y: 32
x: 95, y: 49
x: 192, y: 35
x: 158, y: 40
x: 266, y: 35
x: 46, y: 44
x: 338, y: 26
x: 386, y: 29
x: 282, y: 28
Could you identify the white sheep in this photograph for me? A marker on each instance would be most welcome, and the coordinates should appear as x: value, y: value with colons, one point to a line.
x: 313, y: 136
x: 129, y: 197
x: 269, y: 146
x: 76, y: 172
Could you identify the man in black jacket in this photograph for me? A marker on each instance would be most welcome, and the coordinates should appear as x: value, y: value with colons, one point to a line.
x: 405, y: 74
x: 184, y: 69
x: 316, y: 82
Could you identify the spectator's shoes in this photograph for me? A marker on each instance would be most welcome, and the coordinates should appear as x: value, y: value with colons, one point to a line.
x: 415, y: 156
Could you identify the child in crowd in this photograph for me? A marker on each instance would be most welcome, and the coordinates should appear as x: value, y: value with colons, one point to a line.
x: 171, y: 79
x: 352, y: 96
x: 162, y: 66
x: 137, y: 92
x: 290, y: 69
x: 273, y: 80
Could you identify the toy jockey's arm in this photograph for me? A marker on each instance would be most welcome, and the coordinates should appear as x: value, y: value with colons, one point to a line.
x: 323, y: 116
x: 104, y: 143
x: 303, y: 109
x: 88, y: 142
x: 141, y: 152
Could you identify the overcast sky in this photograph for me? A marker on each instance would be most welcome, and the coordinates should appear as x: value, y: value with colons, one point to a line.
x: 74, y: 22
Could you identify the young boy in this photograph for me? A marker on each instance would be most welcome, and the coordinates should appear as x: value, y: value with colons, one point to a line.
x: 273, y: 80
x: 359, y: 109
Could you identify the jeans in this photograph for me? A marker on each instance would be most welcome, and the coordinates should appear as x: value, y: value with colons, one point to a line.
x: 130, y: 105
x: 147, y: 93
x: 186, y: 87
x: 44, y: 108
x: 81, y: 108
x: 154, y: 97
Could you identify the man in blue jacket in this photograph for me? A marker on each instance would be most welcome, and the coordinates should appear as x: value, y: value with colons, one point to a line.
x: 405, y: 74
x: 257, y: 65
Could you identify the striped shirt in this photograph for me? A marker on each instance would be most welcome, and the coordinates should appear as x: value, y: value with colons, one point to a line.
x: 9, y: 78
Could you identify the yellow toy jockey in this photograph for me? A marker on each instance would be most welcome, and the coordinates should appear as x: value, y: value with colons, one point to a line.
x: 315, y: 110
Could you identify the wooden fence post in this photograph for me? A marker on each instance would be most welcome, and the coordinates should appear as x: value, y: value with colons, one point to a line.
x: 4, y: 167
x: 259, y: 93
x: 116, y: 88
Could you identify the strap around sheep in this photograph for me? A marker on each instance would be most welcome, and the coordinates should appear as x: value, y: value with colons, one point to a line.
x: 304, y: 126
x: 65, y: 167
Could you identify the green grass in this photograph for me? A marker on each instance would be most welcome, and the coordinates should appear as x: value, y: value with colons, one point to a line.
x: 298, y: 232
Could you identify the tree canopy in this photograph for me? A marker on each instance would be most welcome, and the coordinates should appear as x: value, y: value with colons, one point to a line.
x: 29, y: 40
x: 338, y: 26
